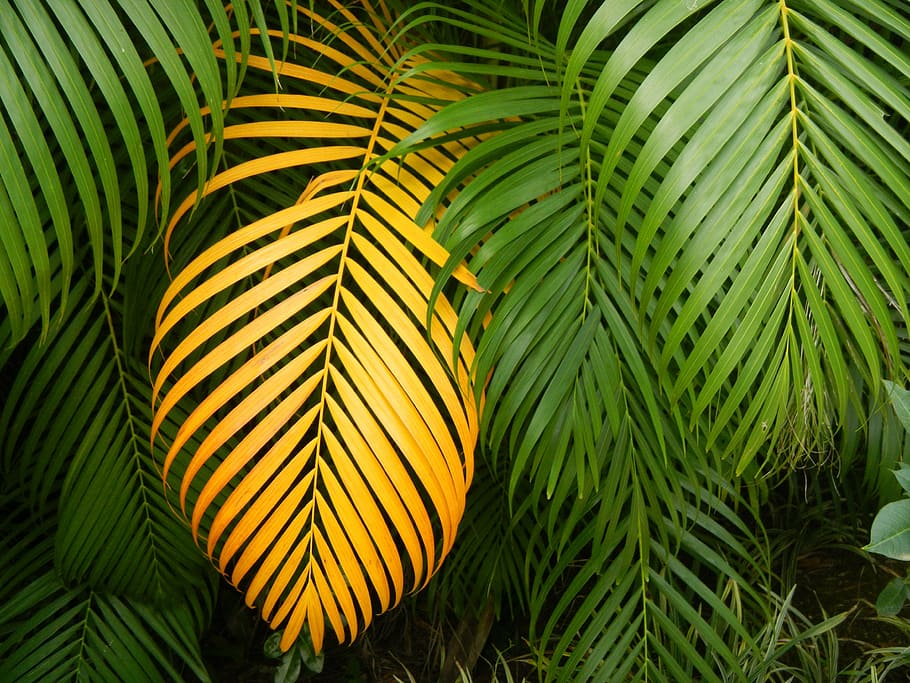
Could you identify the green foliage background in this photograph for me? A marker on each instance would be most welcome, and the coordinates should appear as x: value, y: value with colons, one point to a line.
x: 692, y: 225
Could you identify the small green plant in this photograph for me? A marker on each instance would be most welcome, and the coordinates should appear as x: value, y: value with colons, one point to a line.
x: 893, y: 596
x: 301, y: 655
x: 890, y: 533
x: 792, y: 648
x: 501, y: 673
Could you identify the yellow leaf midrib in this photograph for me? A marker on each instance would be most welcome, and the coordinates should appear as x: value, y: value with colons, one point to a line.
x: 319, y: 463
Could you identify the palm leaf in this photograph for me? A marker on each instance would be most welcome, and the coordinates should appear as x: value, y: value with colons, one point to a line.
x: 74, y: 424
x: 808, y: 252
x: 627, y: 607
x: 68, y: 111
x: 666, y: 229
x: 810, y: 258
x: 116, y: 530
x: 311, y: 345
x: 52, y: 632
x: 36, y: 451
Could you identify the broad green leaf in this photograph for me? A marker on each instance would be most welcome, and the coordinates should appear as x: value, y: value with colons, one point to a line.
x: 892, y: 598
x: 903, y: 476
x: 890, y: 532
x: 900, y: 401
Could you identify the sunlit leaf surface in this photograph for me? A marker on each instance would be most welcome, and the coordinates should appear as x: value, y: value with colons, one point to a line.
x: 339, y: 435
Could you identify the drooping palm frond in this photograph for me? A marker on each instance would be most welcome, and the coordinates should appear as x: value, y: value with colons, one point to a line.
x: 36, y: 448
x: 75, y: 92
x: 787, y: 178
x: 75, y: 445
x: 306, y: 337
x: 654, y: 572
x: 53, y: 632
x: 670, y: 169
x: 674, y: 623
x: 691, y: 228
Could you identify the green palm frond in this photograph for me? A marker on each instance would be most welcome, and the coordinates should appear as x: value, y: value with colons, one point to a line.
x: 116, y: 530
x: 691, y: 229
x: 53, y: 632
x: 77, y: 95
x: 757, y: 151
x: 75, y: 425
x: 651, y: 600
x: 304, y: 336
x: 37, y: 450
x: 487, y: 564
x: 806, y: 249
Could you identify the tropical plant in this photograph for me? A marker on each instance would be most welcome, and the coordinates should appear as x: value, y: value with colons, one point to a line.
x: 101, y: 581
x: 309, y: 333
x: 890, y: 532
x: 691, y: 228
x: 678, y: 236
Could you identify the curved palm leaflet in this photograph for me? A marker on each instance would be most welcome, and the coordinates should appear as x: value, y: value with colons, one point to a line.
x: 325, y: 464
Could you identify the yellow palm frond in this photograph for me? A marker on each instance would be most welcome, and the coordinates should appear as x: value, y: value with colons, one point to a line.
x: 325, y: 462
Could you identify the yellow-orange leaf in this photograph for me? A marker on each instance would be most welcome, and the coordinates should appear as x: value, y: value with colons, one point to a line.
x: 328, y: 447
